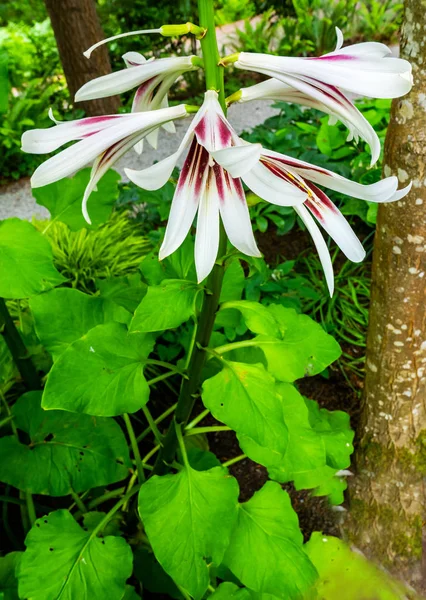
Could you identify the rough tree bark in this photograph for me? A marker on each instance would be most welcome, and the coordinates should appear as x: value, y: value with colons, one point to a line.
x: 76, y: 27
x: 388, y: 495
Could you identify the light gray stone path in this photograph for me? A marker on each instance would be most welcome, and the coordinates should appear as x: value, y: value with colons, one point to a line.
x: 16, y: 199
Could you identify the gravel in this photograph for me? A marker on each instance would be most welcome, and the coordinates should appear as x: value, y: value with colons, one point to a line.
x: 16, y: 199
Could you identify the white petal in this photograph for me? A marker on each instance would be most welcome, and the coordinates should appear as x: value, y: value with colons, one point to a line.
x: 237, y: 160
x: 362, y: 71
x: 152, y: 139
x: 323, y: 97
x: 127, y: 79
x: 134, y: 59
x: 272, y: 188
x: 190, y: 188
x: 207, y: 235
x: 339, y: 42
x: 138, y: 148
x: 321, y: 246
x: 336, y: 226
x: 235, y: 214
x: 44, y: 141
x: 84, y: 152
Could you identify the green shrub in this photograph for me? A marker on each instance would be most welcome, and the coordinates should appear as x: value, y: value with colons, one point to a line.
x: 113, y: 250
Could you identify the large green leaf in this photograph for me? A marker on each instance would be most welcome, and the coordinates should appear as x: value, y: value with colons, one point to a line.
x: 305, y: 451
x: 8, y: 581
x: 294, y: 345
x: 26, y: 263
x: 165, y: 306
x: 4, y: 81
x: 265, y: 551
x: 243, y: 396
x: 62, y: 561
x: 188, y: 518
x: 346, y: 574
x: 65, y: 452
x: 101, y: 374
x: 63, y: 199
x: 64, y: 315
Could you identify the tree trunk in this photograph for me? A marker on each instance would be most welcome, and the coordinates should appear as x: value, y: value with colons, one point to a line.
x: 388, y: 495
x: 76, y: 27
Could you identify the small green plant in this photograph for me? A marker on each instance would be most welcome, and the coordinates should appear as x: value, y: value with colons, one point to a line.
x: 114, y: 250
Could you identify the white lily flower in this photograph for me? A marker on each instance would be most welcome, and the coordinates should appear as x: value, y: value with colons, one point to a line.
x: 101, y: 139
x: 151, y: 95
x: 141, y: 71
x: 366, y: 69
x: 325, y: 98
x: 204, y: 186
x: 274, y: 172
x: 153, y: 78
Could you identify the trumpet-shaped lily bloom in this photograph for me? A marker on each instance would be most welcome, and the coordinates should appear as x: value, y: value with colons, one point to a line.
x: 204, y: 186
x: 331, y: 101
x: 153, y: 79
x: 366, y: 69
x: 101, y: 139
x: 274, y: 172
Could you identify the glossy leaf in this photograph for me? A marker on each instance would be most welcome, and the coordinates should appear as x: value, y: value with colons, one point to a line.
x: 305, y: 454
x: 101, y: 374
x: 179, y: 265
x: 195, y: 509
x: 65, y: 452
x: 63, y: 199
x: 294, y: 345
x: 165, y: 306
x: 346, y: 574
x: 63, y: 561
x: 244, y: 397
x: 265, y: 551
x: 26, y: 263
x: 8, y: 581
x: 64, y: 315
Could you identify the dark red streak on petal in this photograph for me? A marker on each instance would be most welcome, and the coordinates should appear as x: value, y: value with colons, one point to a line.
x: 220, y: 184
x: 200, y: 130
x: 225, y: 134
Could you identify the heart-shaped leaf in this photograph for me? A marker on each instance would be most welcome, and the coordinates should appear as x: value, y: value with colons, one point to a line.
x: 63, y: 561
x: 101, y: 374
x: 196, y: 509
x: 66, y: 452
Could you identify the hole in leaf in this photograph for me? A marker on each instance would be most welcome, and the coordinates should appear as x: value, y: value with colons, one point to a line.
x: 103, y: 542
x: 49, y: 437
x: 45, y: 521
x: 37, y: 524
x: 51, y: 549
x: 81, y: 453
x: 119, y: 461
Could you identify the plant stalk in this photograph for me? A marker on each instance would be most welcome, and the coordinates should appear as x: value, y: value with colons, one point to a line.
x: 18, y: 350
x: 190, y: 386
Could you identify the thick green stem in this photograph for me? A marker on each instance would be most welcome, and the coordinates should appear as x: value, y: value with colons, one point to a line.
x: 17, y: 349
x: 210, y: 50
x: 191, y: 385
